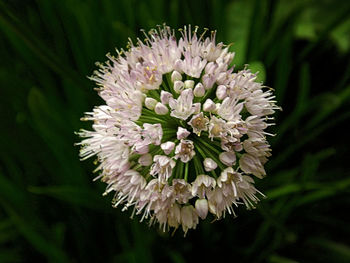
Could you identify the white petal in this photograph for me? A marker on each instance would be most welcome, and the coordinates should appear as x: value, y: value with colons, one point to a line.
x: 227, y: 158
x: 202, y: 208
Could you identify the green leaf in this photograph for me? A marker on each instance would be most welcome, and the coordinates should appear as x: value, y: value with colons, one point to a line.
x: 38, y: 241
x: 339, y: 252
x: 238, y: 15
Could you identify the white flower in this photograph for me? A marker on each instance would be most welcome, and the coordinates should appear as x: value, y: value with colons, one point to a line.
x: 162, y: 166
x: 189, y: 218
x: 153, y: 159
x: 199, y: 123
x: 182, y: 133
x: 202, y: 185
x: 152, y: 133
x: 182, y: 191
x: 192, y: 66
x: 252, y: 165
x: 216, y: 127
x: 257, y: 147
x: 261, y: 103
x: 184, y: 150
x: 230, y: 109
x: 167, y: 147
x: 209, y: 164
x: 182, y: 107
x: 174, y: 217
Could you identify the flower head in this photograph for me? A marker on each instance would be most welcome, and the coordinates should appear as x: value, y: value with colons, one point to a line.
x: 173, y: 111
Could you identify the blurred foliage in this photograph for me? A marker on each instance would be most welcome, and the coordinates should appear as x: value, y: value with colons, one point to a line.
x: 51, y: 211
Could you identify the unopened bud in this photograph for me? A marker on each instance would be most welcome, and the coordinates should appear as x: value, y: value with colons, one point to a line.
x: 202, y: 208
x: 150, y: 103
x: 209, y: 105
x: 175, y: 76
x: 178, y: 86
x: 145, y: 160
x: 221, y: 92
x: 199, y: 90
x: 165, y: 96
x: 161, y: 109
x: 189, y: 84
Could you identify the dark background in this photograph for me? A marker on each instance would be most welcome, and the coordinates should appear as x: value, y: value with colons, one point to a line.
x: 51, y: 211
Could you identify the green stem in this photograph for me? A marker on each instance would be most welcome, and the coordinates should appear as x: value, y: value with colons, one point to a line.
x: 186, y: 171
x: 205, y: 153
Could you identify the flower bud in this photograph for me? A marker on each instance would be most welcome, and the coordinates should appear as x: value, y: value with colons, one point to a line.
x: 202, y: 208
x: 209, y: 68
x: 222, y: 76
x: 150, y: 103
x: 228, y: 158
x: 209, y: 105
x: 182, y: 133
x: 167, y: 147
x: 189, y: 84
x: 165, y: 96
x: 141, y: 148
x: 209, y: 164
x: 178, y: 65
x: 161, y: 109
x: 175, y: 76
x: 221, y: 92
x: 199, y: 90
x: 145, y: 160
x: 208, y: 81
x: 178, y: 86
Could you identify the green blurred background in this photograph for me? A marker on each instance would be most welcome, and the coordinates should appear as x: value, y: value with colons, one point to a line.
x: 51, y: 211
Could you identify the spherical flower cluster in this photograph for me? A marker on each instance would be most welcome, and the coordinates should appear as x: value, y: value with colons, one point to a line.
x: 180, y: 134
